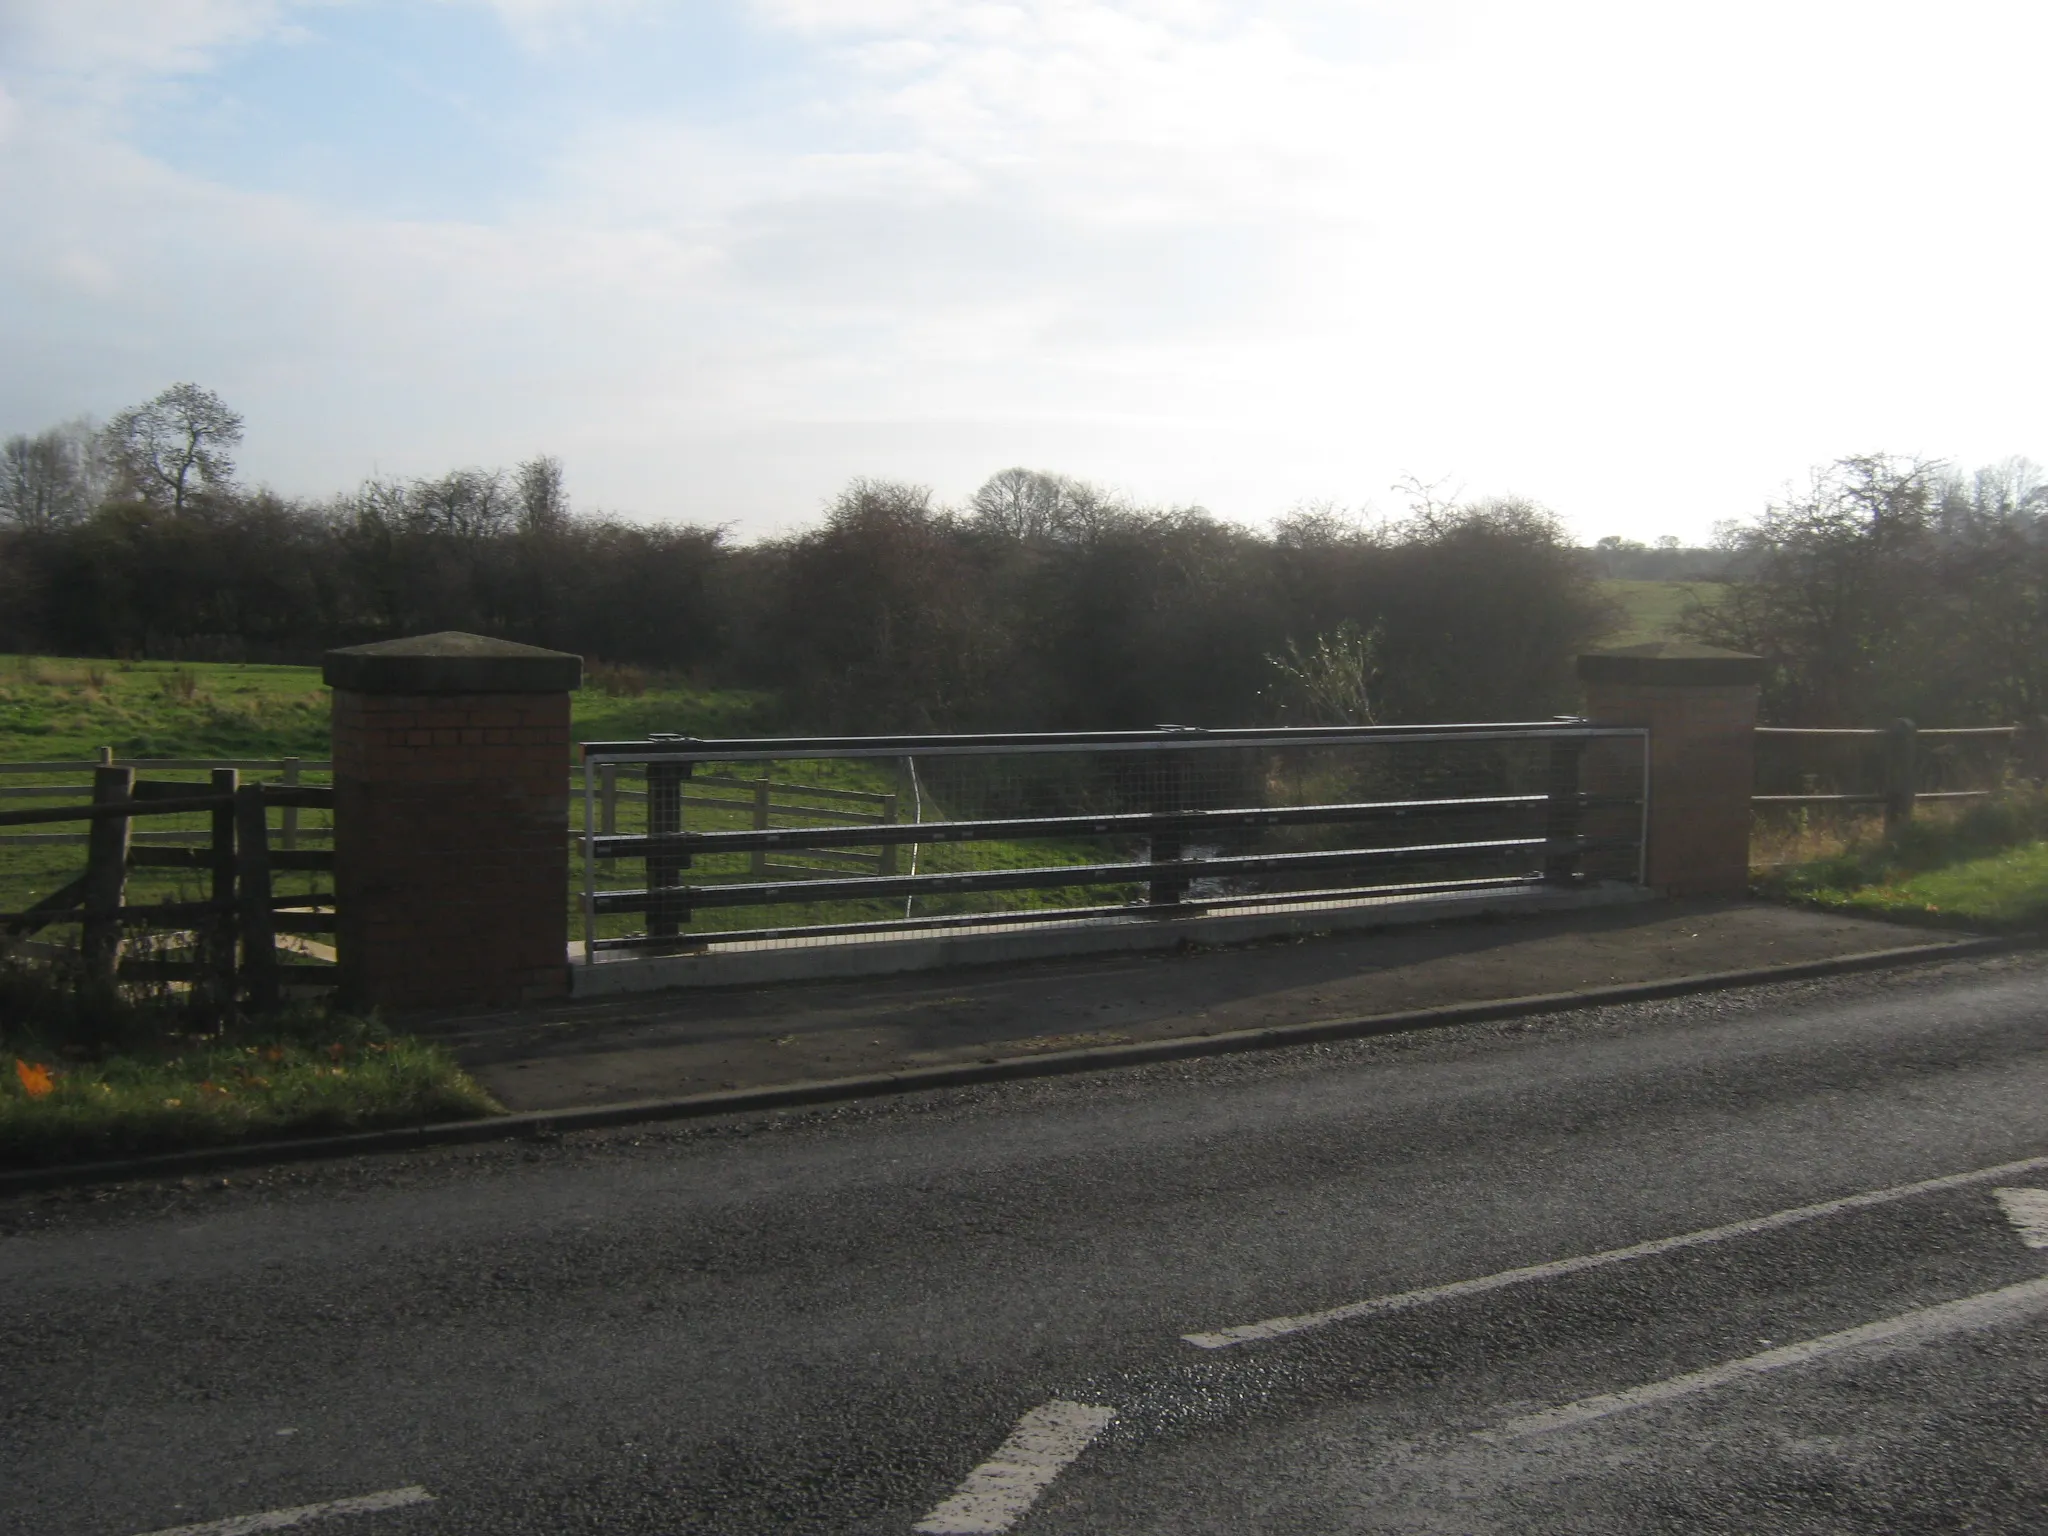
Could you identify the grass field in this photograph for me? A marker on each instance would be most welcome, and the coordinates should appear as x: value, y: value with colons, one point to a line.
x: 1653, y: 607
x: 66, y: 709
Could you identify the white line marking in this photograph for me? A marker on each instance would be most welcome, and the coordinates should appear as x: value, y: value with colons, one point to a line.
x: 280, y: 1519
x: 1279, y: 1327
x: 2027, y: 1210
x: 996, y: 1494
x: 1983, y: 1310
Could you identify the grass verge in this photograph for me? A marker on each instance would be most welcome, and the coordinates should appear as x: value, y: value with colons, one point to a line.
x: 84, y: 1078
x: 1986, y: 867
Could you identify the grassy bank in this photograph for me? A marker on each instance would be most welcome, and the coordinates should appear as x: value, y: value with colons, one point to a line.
x: 85, y: 1077
x: 1984, y: 867
x: 1653, y: 608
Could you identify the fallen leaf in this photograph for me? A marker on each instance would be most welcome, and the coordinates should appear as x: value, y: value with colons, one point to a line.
x: 174, y: 1103
x: 36, y: 1081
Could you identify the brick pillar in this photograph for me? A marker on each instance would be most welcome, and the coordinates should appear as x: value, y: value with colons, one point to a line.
x: 1699, y: 704
x: 451, y: 820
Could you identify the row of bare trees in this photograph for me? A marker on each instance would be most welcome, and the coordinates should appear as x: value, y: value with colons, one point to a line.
x: 1888, y: 587
x: 1042, y: 602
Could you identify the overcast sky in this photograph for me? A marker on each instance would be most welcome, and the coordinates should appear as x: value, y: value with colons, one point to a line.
x: 1644, y: 262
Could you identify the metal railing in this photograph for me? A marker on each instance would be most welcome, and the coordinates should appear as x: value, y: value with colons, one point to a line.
x: 1019, y: 829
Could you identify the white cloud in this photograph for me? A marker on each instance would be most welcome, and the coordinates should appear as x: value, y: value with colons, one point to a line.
x: 1644, y: 263
x: 105, y: 48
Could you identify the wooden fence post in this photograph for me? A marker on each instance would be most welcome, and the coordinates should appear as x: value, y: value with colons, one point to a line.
x: 1901, y: 775
x: 257, y: 922
x: 106, y: 872
x: 288, y: 828
x: 219, y: 956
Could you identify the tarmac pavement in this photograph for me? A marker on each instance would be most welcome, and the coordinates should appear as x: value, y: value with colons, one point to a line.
x: 668, y: 1045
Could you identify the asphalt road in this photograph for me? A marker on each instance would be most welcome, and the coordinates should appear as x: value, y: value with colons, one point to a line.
x: 828, y: 1321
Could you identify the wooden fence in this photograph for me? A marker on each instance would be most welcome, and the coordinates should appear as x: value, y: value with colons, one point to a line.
x: 1912, y: 766
x: 287, y: 772
x: 231, y: 936
x: 766, y: 798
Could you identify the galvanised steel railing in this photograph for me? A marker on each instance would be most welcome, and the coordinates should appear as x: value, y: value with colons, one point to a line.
x: 1076, y: 827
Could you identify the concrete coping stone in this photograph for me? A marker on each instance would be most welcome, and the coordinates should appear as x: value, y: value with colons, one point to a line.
x: 1671, y: 663
x: 451, y: 662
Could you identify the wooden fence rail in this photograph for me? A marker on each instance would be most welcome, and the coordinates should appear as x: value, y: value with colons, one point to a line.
x: 286, y: 772
x: 761, y: 805
x: 2024, y: 749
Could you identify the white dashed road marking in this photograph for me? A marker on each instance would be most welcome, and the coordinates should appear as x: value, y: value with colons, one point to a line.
x: 283, y: 1519
x: 1984, y: 1310
x: 996, y: 1494
x: 1280, y: 1327
x: 2027, y: 1210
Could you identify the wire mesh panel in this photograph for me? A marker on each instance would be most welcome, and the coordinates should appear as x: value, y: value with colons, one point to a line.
x: 692, y: 843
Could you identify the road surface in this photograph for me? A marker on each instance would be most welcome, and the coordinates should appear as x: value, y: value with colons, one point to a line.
x: 1748, y: 1262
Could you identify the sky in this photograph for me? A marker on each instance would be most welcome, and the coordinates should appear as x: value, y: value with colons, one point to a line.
x: 1645, y: 264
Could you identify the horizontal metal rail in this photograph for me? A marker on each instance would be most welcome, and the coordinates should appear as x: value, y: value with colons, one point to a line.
x: 1922, y: 794
x: 1133, y: 823
x: 167, y: 764
x: 779, y: 893
x: 719, y: 781
x: 801, y: 748
x: 1846, y: 731
x: 1187, y: 907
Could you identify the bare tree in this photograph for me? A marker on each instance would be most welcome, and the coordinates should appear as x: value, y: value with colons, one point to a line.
x: 167, y: 449
x: 49, y: 480
x: 1029, y: 504
x: 466, y: 503
x: 543, y: 503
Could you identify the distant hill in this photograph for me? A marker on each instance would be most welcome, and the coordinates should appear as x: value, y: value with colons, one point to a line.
x: 1653, y: 607
x: 1619, y: 561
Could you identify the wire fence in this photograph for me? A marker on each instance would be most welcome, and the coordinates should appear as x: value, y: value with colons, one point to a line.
x: 748, y: 843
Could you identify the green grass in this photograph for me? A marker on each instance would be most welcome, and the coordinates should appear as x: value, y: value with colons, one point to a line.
x: 64, y: 709
x: 1985, y: 867
x: 1653, y: 608
x: 128, y: 1075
